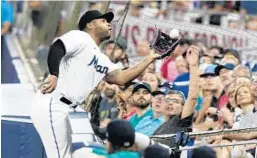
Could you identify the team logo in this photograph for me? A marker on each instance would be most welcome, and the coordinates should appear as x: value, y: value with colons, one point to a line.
x: 99, y: 68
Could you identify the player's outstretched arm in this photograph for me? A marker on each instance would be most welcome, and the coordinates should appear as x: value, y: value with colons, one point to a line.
x: 121, y: 77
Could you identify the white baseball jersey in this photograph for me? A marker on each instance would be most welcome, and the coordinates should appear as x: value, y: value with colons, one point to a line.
x: 82, y: 67
x: 80, y: 70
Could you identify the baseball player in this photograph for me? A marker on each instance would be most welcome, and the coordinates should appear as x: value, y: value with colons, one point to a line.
x: 76, y: 66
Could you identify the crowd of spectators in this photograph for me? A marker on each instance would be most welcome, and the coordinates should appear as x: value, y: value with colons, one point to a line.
x: 218, y: 93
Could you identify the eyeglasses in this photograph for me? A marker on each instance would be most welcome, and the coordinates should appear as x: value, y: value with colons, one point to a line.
x: 159, y: 98
x: 176, y: 101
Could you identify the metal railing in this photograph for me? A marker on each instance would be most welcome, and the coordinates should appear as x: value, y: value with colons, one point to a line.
x: 211, y: 133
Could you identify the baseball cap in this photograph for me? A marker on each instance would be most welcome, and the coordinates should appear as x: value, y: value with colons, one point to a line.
x: 163, y: 89
x: 228, y: 66
x: 121, y: 42
x: 155, y: 151
x: 157, y: 93
x: 92, y: 15
x: 202, y: 152
x: 141, y: 85
x: 120, y: 133
x: 209, y: 71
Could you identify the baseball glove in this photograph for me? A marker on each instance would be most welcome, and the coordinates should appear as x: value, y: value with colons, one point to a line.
x: 164, y: 45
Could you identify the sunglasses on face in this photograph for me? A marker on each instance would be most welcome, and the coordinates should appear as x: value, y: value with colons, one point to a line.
x: 176, y: 101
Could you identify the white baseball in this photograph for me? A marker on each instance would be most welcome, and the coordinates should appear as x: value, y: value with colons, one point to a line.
x: 174, y: 33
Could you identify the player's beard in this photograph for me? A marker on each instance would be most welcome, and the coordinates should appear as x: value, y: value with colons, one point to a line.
x: 104, y: 38
x: 103, y: 35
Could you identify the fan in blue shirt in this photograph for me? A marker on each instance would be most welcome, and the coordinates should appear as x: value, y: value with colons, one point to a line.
x: 149, y: 124
x: 6, y: 17
x: 141, y: 95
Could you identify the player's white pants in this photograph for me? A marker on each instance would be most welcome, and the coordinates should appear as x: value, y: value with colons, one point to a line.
x: 50, y: 117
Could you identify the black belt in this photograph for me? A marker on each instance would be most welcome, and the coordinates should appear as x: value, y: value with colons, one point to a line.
x: 67, y: 101
x: 254, y: 109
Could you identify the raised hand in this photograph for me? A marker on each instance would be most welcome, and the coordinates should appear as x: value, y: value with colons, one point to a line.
x: 192, y: 55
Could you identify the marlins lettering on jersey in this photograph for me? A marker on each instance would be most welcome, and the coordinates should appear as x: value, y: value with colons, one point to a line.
x: 99, y: 68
